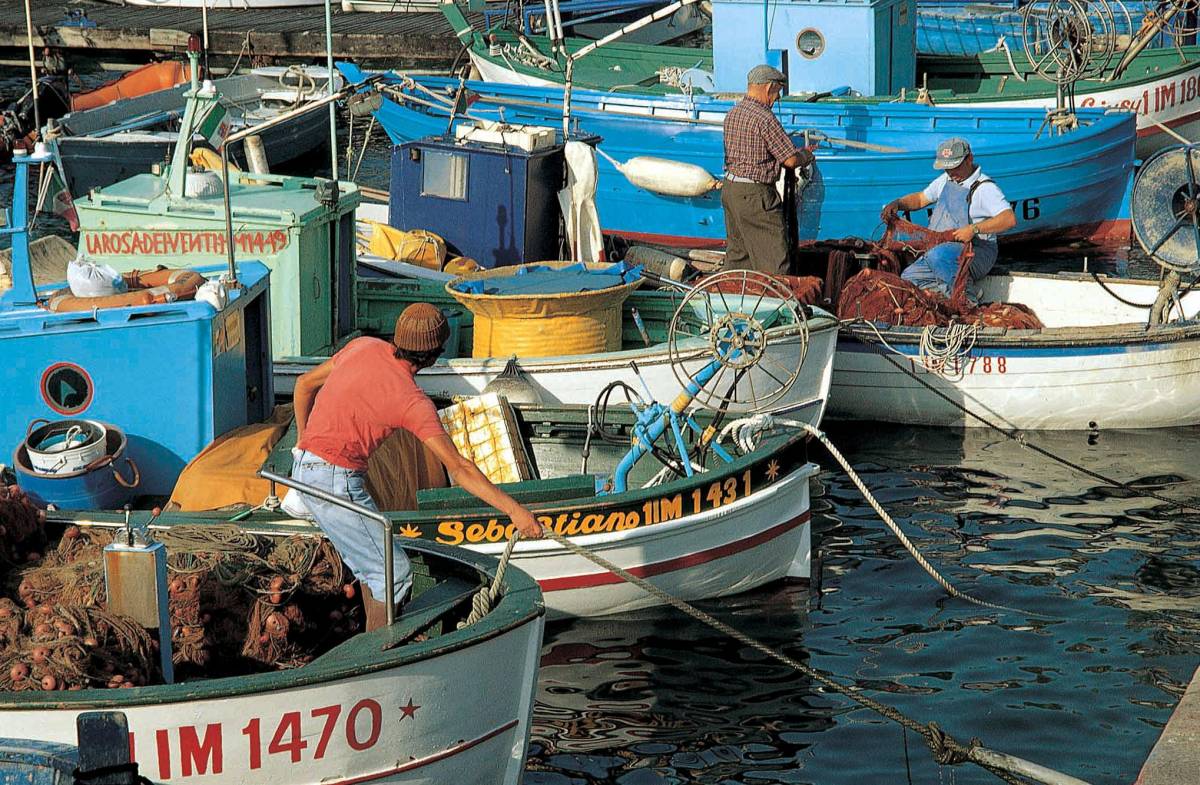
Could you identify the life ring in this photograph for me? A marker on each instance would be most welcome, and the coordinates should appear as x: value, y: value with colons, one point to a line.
x: 146, y: 287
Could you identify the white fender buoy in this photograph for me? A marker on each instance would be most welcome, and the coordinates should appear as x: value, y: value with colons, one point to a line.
x: 664, y: 176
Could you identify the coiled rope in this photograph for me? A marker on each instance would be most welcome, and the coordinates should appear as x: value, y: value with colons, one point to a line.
x: 939, y: 346
x: 944, y: 748
x: 1012, y: 434
x: 485, y: 598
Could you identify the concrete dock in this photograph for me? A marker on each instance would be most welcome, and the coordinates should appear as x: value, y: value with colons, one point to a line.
x: 1175, y: 759
x: 262, y: 36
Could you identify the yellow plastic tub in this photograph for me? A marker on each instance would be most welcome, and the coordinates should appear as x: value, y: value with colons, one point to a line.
x: 540, y: 322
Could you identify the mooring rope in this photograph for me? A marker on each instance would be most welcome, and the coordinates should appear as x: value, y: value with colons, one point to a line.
x: 1013, y: 433
x: 485, y: 598
x: 744, y: 431
x: 944, y: 748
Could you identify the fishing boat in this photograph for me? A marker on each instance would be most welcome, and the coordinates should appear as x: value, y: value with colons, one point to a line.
x: 572, y: 379
x: 386, y: 706
x: 1095, y: 364
x: 252, y: 700
x: 1159, y: 85
x: 1062, y: 185
x: 301, y: 228
x: 106, y: 144
x: 18, y: 121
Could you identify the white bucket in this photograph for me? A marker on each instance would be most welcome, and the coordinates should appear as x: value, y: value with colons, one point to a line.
x: 65, y: 446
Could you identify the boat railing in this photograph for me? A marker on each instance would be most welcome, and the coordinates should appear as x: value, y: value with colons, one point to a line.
x: 388, y: 535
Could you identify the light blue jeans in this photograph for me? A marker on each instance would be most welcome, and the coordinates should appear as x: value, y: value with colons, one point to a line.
x: 358, y: 539
x: 936, y: 270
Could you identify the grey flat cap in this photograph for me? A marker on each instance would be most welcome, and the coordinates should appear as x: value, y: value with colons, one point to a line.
x: 951, y: 153
x: 764, y: 74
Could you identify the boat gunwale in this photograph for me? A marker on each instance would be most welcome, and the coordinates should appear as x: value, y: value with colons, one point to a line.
x: 1116, y: 333
x: 658, y: 531
x: 520, y: 604
x: 1096, y: 123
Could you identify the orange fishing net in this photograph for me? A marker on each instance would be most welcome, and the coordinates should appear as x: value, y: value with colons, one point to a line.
x: 889, y: 299
x: 238, y: 603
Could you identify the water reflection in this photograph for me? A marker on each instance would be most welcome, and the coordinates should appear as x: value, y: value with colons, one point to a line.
x: 1082, y: 680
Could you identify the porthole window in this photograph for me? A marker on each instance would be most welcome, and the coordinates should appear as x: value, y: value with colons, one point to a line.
x: 66, y: 388
x: 810, y: 43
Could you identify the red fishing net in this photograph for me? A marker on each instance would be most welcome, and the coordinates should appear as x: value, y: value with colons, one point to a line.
x: 889, y: 299
x: 238, y: 603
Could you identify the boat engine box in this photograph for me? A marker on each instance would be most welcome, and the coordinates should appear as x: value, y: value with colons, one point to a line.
x: 301, y: 228
x: 172, y: 376
x: 494, y: 202
x: 867, y: 45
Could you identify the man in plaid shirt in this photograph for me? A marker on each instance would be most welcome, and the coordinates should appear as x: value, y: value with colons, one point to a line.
x: 756, y: 147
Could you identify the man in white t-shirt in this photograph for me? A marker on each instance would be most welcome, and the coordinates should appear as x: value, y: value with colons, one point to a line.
x: 966, y: 202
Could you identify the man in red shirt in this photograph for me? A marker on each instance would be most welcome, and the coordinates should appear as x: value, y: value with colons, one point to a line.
x: 756, y: 147
x: 345, y: 408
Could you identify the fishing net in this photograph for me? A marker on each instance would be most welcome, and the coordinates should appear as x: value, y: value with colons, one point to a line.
x: 916, y: 239
x: 238, y: 603
x: 20, y: 525
x: 807, y: 288
x: 861, y: 280
x: 885, y: 298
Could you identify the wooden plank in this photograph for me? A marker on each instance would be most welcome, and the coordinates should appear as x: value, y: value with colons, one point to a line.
x: 399, y: 39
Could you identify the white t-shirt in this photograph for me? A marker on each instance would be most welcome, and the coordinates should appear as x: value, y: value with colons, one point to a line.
x: 987, y: 202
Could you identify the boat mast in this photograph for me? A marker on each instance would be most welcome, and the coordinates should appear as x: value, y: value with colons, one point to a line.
x: 333, y: 151
x: 661, y: 13
x: 37, y: 116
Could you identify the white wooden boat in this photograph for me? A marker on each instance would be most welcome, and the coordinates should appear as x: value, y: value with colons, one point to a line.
x: 1095, y: 365
x: 574, y: 379
x: 757, y: 538
x: 726, y: 529
x: 378, y: 708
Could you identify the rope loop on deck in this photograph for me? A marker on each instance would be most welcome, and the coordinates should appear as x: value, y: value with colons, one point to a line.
x: 485, y: 599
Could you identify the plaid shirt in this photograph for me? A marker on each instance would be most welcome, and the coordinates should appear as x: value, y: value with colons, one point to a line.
x: 755, y: 143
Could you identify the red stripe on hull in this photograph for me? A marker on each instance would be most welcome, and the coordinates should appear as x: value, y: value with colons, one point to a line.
x: 1151, y: 130
x: 429, y: 759
x: 673, y: 565
x: 1107, y: 233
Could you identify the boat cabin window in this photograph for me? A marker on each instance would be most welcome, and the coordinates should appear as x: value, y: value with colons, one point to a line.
x: 444, y: 174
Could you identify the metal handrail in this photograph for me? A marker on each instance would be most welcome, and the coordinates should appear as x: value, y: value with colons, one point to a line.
x: 346, y: 504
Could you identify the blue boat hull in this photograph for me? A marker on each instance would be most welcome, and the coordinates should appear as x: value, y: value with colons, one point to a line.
x: 1068, y: 186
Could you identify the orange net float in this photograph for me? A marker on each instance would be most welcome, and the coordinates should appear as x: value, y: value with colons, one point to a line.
x: 146, y: 287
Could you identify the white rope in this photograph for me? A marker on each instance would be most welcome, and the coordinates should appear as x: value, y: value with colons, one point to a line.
x: 485, y: 598
x: 941, y: 347
x: 746, y: 432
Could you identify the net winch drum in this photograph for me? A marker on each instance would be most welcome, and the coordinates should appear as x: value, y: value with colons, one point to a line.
x: 64, y: 446
x: 1165, y: 208
x: 106, y: 483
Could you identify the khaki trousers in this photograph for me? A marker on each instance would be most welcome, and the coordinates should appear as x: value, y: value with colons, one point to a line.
x: 754, y: 228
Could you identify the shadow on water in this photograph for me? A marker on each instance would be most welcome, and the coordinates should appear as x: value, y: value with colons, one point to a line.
x: 1082, y: 679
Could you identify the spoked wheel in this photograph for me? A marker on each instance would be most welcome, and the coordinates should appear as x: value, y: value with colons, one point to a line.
x: 730, y: 318
x: 1068, y: 40
x: 1165, y: 208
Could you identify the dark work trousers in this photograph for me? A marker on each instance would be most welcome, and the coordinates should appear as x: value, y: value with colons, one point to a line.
x: 754, y: 228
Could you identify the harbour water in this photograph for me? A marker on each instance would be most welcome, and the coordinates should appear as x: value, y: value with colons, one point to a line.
x: 1081, y: 677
